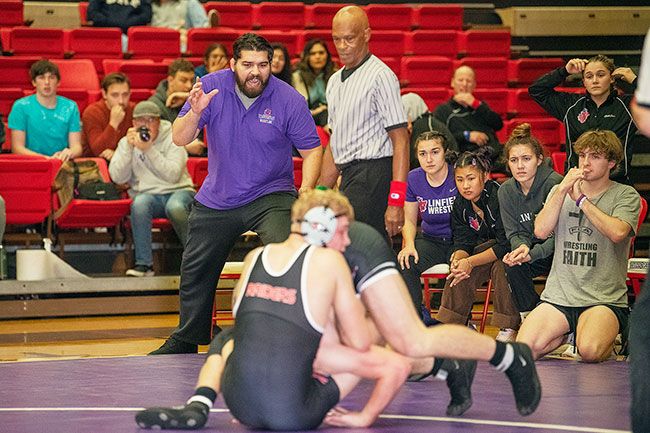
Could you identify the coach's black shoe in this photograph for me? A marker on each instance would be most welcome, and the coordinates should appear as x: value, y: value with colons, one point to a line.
x: 190, y: 417
x: 460, y: 375
x: 175, y: 346
x: 524, y: 380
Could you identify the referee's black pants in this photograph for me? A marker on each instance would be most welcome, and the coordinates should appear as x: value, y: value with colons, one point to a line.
x: 211, y: 235
x: 366, y: 184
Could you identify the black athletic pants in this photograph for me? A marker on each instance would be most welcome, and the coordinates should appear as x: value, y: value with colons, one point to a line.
x: 520, y: 280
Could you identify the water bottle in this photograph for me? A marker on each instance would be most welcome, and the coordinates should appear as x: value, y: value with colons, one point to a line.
x: 3, y: 263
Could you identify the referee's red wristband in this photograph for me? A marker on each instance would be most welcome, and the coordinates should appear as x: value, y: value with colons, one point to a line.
x: 397, y: 193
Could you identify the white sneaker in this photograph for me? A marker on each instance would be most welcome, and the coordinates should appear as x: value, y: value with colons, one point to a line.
x: 507, y: 335
x: 140, y: 271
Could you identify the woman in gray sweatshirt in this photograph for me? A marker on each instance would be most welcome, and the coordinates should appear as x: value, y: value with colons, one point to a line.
x: 520, y: 200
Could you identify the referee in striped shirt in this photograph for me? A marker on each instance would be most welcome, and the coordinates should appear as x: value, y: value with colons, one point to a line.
x: 369, y: 141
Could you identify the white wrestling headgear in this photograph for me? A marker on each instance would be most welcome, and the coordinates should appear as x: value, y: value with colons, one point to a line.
x: 318, y: 226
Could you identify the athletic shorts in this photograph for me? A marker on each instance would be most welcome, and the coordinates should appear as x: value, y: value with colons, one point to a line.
x: 573, y: 313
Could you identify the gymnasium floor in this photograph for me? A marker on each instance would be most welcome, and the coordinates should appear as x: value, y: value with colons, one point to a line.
x: 53, y: 380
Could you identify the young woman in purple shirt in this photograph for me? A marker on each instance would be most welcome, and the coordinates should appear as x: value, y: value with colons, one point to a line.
x: 430, y: 195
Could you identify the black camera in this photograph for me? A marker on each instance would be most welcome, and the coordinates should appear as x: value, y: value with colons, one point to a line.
x: 145, y: 134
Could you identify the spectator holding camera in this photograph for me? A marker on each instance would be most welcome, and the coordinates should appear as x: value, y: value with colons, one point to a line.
x: 160, y: 185
x: 600, y: 107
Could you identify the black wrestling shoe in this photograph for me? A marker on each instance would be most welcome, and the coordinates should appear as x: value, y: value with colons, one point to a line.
x: 190, y: 417
x: 175, y: 346
x: 460, y: 375
x: 524, y: 380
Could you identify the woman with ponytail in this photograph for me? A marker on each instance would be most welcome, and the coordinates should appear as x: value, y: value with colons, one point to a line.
x: 520, y: 199
x: 479, y: 244
x: 430, y: 195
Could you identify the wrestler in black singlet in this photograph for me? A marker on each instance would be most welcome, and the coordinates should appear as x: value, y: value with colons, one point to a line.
x: 267, y: 381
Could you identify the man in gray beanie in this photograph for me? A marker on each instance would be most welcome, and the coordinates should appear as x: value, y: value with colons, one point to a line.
x: 160, y: 185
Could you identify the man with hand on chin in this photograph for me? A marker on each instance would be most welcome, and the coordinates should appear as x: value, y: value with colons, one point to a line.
x: 252, y: 121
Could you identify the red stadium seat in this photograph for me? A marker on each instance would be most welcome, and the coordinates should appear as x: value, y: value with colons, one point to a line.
x: 426, y: 71
x: 432, y: 43
x: 520, y: 104
x: 438, y: 17
x: 144, y: 75
x: 279, y: 16
x: 297, y: 171
x: 11, y: 13
x: 288, y: 38
x: 238, y: 15
x: 559, y: 161
x: 14, y: 71
x: 433, y: 96
x: 6, y: 146
x: 27, y: 41
x: 389, y: 17
x: 138, y: 95
x: 198, y: 39
x: 485, y: 43
x: 497, y: 99
x: 154, y: 43
x: 490, y: 72
x: 198, y: 169
x: 95, y: 43
x: 522, y: 72
x: 113, y: 65
x: 83, y: 13
x: 7, y: 98
x: 77, y: 74
x: 387, y: 43
x: 394, y: 64
x: 320, y: 15
x: 550, y: 132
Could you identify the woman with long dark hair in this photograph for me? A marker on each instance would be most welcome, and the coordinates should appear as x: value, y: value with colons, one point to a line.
x: 281, y: 63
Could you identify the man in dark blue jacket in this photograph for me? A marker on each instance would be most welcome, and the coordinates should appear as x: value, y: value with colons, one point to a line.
x: 119, y: 13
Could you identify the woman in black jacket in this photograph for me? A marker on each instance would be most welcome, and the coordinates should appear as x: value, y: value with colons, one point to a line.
x: 600, y: 107
x: 479, y: 245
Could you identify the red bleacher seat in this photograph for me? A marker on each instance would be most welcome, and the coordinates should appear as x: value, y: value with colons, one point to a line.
x: 199, y: 39
x: 80, y: 96
x: 198, y: 169
x: 394, y: 64
x: 233, y: 14
x: 6, y: 146
x: 490, y: 72
x: 438, y: 17
x: 432, y: 43
x: 426, y: 71
x: 78, y: 73
x: 320, y: 15
x: 113, y: 65
x: 83, y: 13
x: 27, y: 41
x: 14, y: 71
x: 154, y: 43
x: 279, y: 16
x: 387, y: 43
x: 288, y: 38
x: 11, y: 13
x: 522, y: 72
x: 144, y: 75
x: 559, y: 159
x: 433, y: 96
x: 485, y: 43
x: 95, y: 43
x: 497, y: 99
x: 389, y: 16
x: 550, y: 132
x: 138, y: 95
x: 520, y: 104
x: 7, y: 98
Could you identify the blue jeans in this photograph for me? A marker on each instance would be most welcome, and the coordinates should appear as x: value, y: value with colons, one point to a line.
x: 146, y: 207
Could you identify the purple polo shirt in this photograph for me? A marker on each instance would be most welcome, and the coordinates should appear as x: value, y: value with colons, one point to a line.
x: 434, y: 204
x: 249, y: 151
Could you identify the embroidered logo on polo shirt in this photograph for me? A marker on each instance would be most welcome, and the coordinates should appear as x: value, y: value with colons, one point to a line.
x: 267, y: 117
x: 583, y: 116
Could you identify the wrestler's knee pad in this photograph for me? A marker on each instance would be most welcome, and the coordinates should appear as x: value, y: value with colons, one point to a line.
x: 218, y: 342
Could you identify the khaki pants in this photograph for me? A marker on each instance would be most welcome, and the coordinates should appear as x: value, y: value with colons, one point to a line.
x: 457, y: 301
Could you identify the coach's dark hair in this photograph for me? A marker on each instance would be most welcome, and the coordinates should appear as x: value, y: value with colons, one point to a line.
x: 251, y: 42
x: 481, y: 158
x: 43, y: 67
x: 115, y: 78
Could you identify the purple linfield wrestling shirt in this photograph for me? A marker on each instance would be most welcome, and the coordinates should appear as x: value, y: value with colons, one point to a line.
x: 249, y: 151
x: 434, y: 204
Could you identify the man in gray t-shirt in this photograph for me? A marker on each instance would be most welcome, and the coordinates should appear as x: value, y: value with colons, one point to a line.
x: 593, y: 219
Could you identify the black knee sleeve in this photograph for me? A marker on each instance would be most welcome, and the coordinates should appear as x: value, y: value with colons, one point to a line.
x: 216, y: 346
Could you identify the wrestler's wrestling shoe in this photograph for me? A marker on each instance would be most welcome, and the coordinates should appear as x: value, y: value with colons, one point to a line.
x: 189, y: 417
x: 460, y: 375
x: 524, y: 380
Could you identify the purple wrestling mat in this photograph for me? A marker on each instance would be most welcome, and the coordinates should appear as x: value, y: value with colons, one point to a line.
x: 102, y: 395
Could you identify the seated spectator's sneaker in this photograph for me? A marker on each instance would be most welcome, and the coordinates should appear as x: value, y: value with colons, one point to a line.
x: 175, y: 346
x: 140, y: 271
x: 190, y: 417
x: 214, y: 18
x: 524, y: 379
x: 507, y: 335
